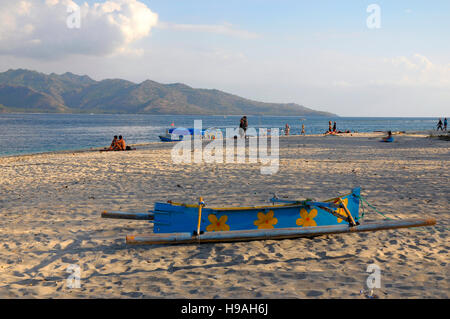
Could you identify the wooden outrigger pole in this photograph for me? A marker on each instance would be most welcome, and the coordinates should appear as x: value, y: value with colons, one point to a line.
x: 127, y: 215
x: 281, y: 233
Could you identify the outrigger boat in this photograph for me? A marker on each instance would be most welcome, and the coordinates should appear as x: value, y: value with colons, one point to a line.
x: 177, y: 223
x: 177, y: 134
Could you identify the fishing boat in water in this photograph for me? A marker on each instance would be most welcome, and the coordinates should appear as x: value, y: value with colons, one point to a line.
x: 175, y: 223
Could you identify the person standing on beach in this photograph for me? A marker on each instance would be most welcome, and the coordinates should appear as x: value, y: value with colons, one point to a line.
x: 243, y: 125
x: 287, y: 129
x: 329, y: 126
x: 445, y: 124
x: 303, y: 129
x: 439, y: 125
x: 334, y: 127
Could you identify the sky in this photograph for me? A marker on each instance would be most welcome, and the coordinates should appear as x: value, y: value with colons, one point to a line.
x: 352, y: 58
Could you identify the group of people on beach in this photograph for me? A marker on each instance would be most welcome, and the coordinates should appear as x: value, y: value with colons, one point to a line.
x: 117, y: 144
x: 287, y: 129
x: 332, y: 129
x: 442, y: 126
x: 243, y: 125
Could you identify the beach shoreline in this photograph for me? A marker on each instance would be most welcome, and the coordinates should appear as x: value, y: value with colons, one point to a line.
x: 146, y: 145
x: 51, y: 205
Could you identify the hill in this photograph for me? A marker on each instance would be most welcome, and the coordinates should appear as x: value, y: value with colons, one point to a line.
x: 29, y: 91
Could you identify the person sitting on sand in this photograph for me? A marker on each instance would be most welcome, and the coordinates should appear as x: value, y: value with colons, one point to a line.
x: 121, y: 146
x: 388, y: 138
x: 113, y: 143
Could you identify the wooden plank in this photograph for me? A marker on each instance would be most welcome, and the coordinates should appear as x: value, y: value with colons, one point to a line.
x: 200, y: 205
x: 280, y: 233
x: 353, y: 223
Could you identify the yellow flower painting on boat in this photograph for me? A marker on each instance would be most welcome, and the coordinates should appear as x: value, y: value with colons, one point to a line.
x: 307, y: 219
x: 341, y: 211
x: 217, y: 224
x: 266, y: 221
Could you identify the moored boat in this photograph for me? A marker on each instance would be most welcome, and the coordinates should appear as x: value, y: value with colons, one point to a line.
x: 177, y: 134
x: 183, y: 223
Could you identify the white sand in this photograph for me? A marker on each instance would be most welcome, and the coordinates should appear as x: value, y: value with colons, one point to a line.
x: 51, y: 203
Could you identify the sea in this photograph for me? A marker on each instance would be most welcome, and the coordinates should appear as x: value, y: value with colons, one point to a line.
x: 37, y: 133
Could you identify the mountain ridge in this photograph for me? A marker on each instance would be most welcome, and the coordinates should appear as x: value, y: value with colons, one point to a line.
x: 32, y: 91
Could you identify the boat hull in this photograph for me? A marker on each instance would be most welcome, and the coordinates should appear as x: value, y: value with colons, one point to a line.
x: 169, y: 139
x: 179, y: 218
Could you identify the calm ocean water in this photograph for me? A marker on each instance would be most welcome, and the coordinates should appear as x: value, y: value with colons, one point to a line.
x: 35, y: 133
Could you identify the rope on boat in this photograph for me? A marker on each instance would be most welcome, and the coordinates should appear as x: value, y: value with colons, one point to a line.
x: 363, y: 209
x: 362, y: 200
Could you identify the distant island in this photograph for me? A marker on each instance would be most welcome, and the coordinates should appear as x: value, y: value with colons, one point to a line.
x: 25, y: 91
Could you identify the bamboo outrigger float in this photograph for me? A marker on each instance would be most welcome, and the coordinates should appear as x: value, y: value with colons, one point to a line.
x: 176, y: 223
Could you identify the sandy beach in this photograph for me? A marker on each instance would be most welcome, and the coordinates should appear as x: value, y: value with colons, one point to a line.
x: 51, y: 204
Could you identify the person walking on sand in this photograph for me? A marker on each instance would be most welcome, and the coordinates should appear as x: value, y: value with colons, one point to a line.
x: 287, y: 129
x: 439, y: 125
x: 445, y: 124
x: 243, y: 125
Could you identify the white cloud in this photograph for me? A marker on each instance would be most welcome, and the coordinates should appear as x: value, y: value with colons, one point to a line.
x: 417, y: 70
x: 39, y: 28
x: 51, y: 2
x: 335, y: 69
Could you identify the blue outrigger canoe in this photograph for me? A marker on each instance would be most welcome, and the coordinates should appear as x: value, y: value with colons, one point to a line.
x: 177, y: 134
x: 181, y: 223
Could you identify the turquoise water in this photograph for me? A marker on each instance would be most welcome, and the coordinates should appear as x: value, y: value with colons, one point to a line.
x: 35, y: 133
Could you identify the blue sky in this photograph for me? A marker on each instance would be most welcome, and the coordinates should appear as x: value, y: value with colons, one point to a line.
x: 406, y: 25
x: 320, y: 54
